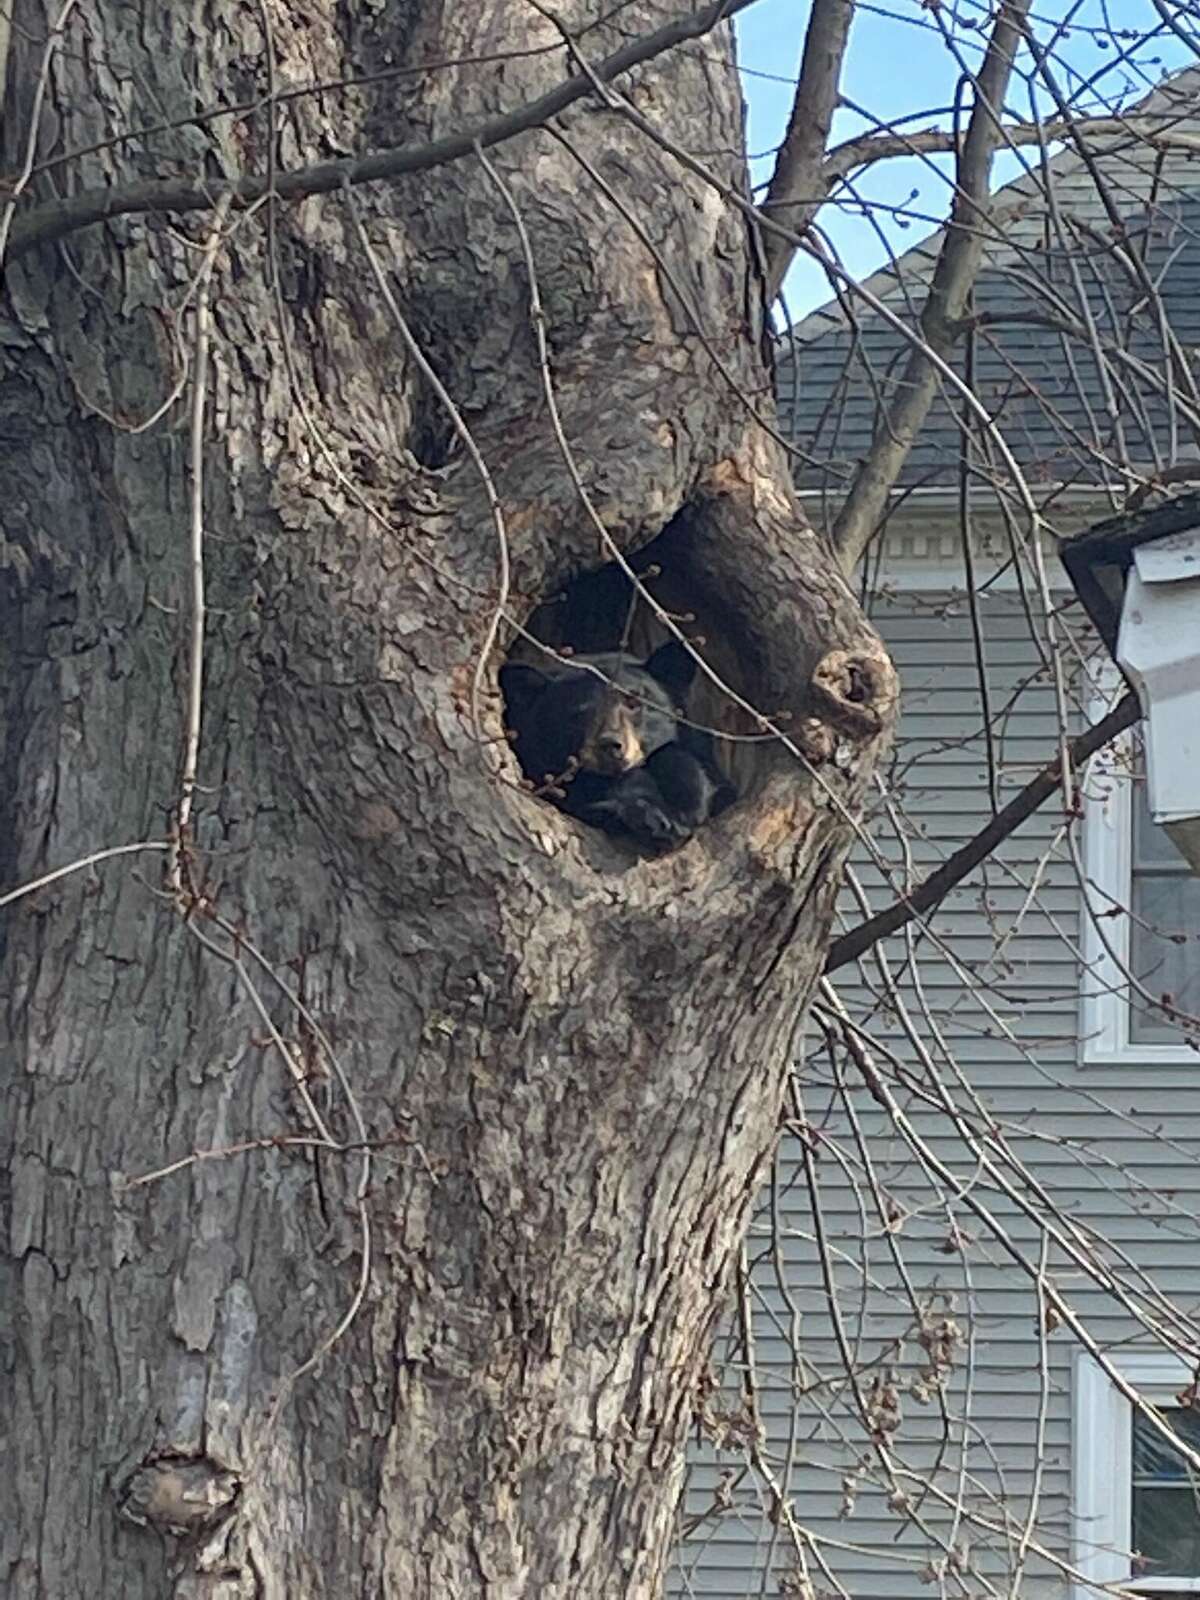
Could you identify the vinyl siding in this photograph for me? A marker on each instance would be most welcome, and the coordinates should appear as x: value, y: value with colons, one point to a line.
x: 1115, y: 1146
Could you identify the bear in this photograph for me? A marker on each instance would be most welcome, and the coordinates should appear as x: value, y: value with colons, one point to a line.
x: 607, y: 745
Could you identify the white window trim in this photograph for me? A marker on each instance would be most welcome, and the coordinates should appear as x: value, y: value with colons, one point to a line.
x: 1101, y: 1467
x: 1104, y: 1011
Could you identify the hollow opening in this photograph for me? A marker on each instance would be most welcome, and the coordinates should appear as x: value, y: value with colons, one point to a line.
x: 614, y: 721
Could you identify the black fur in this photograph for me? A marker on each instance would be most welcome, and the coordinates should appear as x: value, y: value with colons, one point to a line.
x: 607, y: 747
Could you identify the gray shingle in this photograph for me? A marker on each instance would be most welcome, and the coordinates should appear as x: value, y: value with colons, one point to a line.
x: 1061, y: 414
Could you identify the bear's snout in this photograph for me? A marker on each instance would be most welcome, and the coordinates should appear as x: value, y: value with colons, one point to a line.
x: 615, y: 750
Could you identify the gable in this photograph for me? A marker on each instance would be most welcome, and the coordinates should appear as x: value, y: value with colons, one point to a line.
x: 1081, y: 366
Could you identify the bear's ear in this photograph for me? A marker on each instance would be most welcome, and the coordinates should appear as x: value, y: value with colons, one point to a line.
x: 521, y: 680
x: 673, y: 667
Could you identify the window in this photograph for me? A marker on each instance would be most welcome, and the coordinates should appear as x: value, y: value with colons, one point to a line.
x: 1165, y: 900
x: 1165, y: 1516
x: 1135, y: 1504
x: 1132, y: 865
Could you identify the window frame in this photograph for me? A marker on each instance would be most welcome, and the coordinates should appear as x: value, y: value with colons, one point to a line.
x: 1105, y: 1010
x: 1102, y: 1466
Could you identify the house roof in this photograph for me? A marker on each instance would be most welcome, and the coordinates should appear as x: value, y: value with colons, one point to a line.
x: 1065, y: 414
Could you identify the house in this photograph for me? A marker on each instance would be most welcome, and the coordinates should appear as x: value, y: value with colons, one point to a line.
x: 984, y: 1231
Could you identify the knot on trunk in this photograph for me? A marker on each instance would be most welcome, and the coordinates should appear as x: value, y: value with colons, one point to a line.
x: 179, y: 1495
x: 854, y: 692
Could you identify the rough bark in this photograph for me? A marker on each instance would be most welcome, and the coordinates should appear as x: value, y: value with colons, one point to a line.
x: 570, y: 1060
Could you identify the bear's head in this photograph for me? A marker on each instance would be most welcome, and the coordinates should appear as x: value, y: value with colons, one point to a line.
x: 595, y: 713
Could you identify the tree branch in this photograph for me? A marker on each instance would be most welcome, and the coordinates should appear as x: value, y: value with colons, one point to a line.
x: 1170, y: 20
x: 59, y: 218
x: 794, y: 195
x: 867, y: 148
x: 928, y: 894
x: 953, y: 278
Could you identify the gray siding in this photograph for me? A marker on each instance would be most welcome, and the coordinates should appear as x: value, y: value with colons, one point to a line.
x: 1115, y: 1147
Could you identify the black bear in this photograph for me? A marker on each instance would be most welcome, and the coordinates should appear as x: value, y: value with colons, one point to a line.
x: 607, y: 745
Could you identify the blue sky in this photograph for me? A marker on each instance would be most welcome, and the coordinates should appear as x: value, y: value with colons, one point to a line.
x: 898, y: 65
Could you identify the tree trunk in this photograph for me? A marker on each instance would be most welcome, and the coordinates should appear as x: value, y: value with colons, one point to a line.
x: 567, y: 1060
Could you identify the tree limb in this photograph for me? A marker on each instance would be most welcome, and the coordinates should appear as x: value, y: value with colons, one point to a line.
x: 953, y: 278
x: 928, y: 894
x: 794, y: 194
x: 1170, y: 20
x: 58, y: 218
x: 867, y: 148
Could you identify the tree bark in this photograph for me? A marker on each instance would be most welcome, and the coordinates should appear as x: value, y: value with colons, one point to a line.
x: 567, y: 1061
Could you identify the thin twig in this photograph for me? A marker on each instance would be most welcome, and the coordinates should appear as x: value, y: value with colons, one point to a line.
x: 195, y: 669
x: 81, y: 865
x: 53, y: 41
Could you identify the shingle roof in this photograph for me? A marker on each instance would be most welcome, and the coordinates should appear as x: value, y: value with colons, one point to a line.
x: 1059, y: 407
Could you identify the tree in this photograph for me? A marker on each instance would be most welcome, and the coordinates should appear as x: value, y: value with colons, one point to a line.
x: 379, y: 1141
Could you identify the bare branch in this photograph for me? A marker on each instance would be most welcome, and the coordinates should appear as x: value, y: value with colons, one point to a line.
x: 953, y: 278
x: 195, y: 690
x: 793, y: 194
x: 866, y: 149
x: 1171, y: 20
x: 59, y: 218
x: 938, y: 884
x: 84, y: 862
